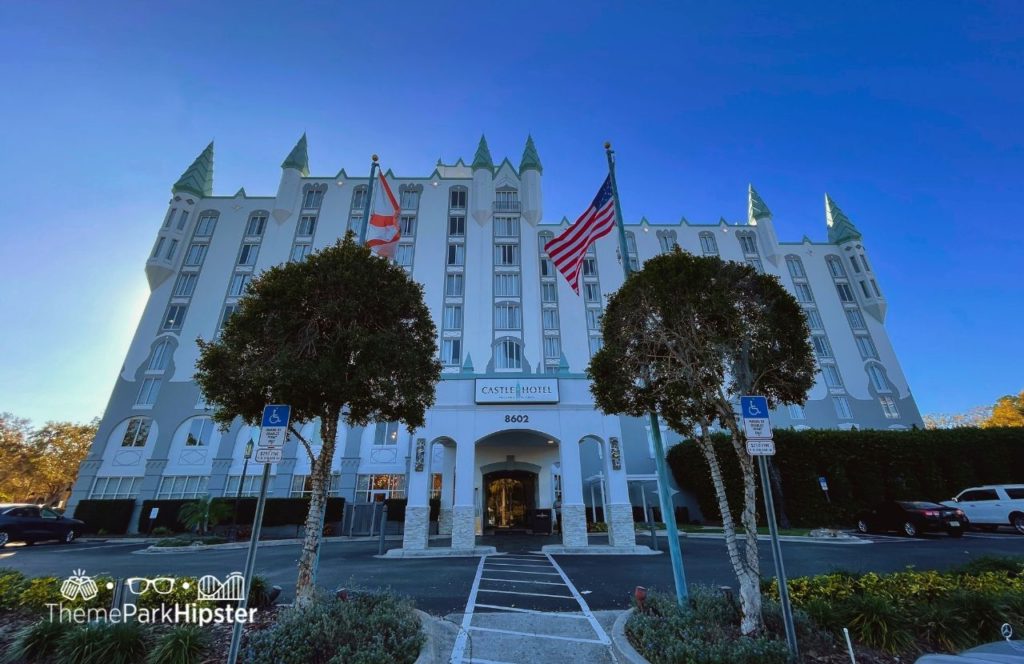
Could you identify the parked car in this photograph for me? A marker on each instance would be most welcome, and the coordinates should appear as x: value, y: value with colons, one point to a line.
x: 991, y: 506
x: 912, y: 518
x: 31, y: 523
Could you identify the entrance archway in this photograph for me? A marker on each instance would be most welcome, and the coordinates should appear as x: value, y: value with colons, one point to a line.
x: 510, y: 496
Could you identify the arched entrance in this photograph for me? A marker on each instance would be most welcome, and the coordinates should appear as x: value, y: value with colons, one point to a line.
x: 510, y: 496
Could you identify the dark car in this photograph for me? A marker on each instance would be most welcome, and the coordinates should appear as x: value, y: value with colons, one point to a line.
x: 913, y: 517
x: 31, y: 523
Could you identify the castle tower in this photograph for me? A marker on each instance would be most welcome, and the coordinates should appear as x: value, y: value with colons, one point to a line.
x: 293, y: 169
x: 843, y: 233
x: 759, y: 216
x: 195, y: 183
x: 482, y: 192
x: 530, y: 171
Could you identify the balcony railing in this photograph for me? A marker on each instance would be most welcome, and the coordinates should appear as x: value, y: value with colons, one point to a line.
x: 507, y: 206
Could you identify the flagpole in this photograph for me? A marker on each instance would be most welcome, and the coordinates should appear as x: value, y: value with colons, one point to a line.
x: 668, y: 512
x: 369, y: 202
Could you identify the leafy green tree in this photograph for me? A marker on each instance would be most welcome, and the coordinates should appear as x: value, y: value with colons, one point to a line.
x: 15, y: 457
x: 341, y: 336
x: 40, y: 465
x: 1007, y: 412
x: 202, y: 513
x: 685, y: 337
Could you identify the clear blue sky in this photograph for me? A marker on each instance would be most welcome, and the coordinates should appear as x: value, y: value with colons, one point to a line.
x: 908, y: 114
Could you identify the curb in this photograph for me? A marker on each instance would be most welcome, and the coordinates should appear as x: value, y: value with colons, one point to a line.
x: 599, y: 550
x: 800, y: 539
x: 432, y: 651
x: 621, y: 644
x: 193, y: 548
x: 439, y: 552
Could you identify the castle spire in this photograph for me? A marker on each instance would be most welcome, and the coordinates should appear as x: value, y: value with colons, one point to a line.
x: 198, y: 178
x: 482, y: 158
x: 840, y: 228
x: 530, y: 157
x: 756, y: 209
x: 298, y: 158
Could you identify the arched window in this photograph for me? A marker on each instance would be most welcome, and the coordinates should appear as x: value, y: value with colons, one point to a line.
x: 877, y: 376
x: 206, y: 224
x: 200, y: 430
x: 359, y: 197
x: 257, y: 224
x: 748, y: 242
x: 835, y: 266
x: 160, y: 356
x: 708, y: 244
x: 313, y: 196
x: 796, y: 267
x: 667, y: 240
x: 508, y: 354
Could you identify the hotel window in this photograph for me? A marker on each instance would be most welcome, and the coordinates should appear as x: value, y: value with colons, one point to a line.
x: 877, y: 377
x: 506, y: 227
x: 171, y: 249
x: 107, y: 488
x: 506, y: 254
x: 803, y: 293
x: 867, y: 348
x: 182, y: 220
x: 595, y: 344
x: 708, y: 244
x: 456, y: 255
x: 302, y: 485
x: 314, y: 196
x: 160, y: 356
x: 747, y: 243
x: 256, y: 225
x: 451, y: 352
x: 547, y: 268
x: 247, y: 255
x: 359, y: 197
x: 435, y: 485
x: 386, y: 433
x: 300, y: 251
x: 630, y: 249
x: 552, y: 348
x: 864, y: 288
x: 148, y: 391
x: 456, y: 226
x: 589, y: 267
x: 250, y: 485
x: 410, y: 199
x: 796, y: 412
x: 756, y: 264
x: 854, y: 263
x: 307, y: 226
x: 548, y: 293
x: 403, y: 255
x: 239, y: 283
x: 796, y: 267
x: 175, y: 317
x: 158, y: 247
x: 814, y: 319
x: 186, y: 284
x: 199, y: 432
x: 506, y: 285
x: 630, y: 242
x: 591, y: 293
x: 593, y: 319
x: 874, y: 285
x: 856, y: 319
x: 195, y: 255
x: 137, y: 432
x: 864, y: 260
x: 821, y: 346
x: 508, y: 354
x: 453, y: 316
x: 842, y: 406
x: 835, y: 266
x: 207, y: 222
x: 507, y: 316
x: 407, y: 225
x: 889, y: 408
x: 453, y: 285
x: 667, y: 240
x: 831, y: 375
x: 170, y: 215
x: 457, y: 199
x: 371, y: 488
x: 845, y: 294
x: 549, y: 319
x: 182, y: 486
x: 506, y: 201
x: 229, y: 309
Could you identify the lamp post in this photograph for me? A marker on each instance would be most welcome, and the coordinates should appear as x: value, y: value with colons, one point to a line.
x: 241, y: 483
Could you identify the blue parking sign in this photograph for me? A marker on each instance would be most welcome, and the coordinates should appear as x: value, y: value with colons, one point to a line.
x: 276, y: 415
x: 754, y: 407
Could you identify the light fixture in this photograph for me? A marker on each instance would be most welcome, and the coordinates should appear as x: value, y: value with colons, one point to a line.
x: 551, y: 442
x: 435, y: 183
x: 340, y: 183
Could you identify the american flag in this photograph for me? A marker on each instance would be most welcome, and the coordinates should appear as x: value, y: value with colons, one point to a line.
x: 568, y: 250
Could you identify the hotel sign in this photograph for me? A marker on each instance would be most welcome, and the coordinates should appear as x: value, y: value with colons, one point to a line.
x: 516, y: 390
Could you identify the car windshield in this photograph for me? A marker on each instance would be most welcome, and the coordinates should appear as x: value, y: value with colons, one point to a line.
x: 918, y: 505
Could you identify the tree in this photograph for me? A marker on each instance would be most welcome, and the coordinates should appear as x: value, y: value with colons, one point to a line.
x: 685, y: 337
x: 40, y: 465
x: 1007, y: 412
x: 971, y: 418
x: 343, y: 335
x: 15, y: 457
x: 202, y: 513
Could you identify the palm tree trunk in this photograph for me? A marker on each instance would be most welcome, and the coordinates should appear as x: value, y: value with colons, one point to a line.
x: 305, y: 585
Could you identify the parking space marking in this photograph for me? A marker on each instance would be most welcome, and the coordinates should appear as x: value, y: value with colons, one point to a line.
x: 460, y: 641
x: 536, y: 636
x: 583, y: 605
x: 543, y: 583
x: 526, y: 565
x: 513, y: 592
x: 546, y: 614
x: 516, y: 571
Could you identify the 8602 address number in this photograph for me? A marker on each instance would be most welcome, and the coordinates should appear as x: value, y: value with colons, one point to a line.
x: 517, y: 419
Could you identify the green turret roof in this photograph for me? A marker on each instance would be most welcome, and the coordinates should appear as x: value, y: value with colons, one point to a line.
x: 198, y: 178
x: 530, y: 157
x: 840, y: 228
x: 482, y: 158
x: 298, y: 158
x: 756, y: 209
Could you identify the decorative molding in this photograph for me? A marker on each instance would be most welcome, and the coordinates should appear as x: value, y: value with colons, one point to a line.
x: 616, y: 453
x: 421, y: 444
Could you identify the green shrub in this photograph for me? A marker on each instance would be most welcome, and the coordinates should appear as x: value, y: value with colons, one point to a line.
x: 161, y: 531
x: 878, y: 622
x: 259, y: 593
x: 36, y: 642
x: 43, y: 590
x: 105, y: 516
x: 1013, y: 566
x: 366, y: 629
x: 83, y: 644
x: 185, y: 591
x: 182, y: 644
x: 984, y: 613
x: 12, y: 584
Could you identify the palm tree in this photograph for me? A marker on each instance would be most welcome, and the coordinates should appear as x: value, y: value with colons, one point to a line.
x: 202, y: 513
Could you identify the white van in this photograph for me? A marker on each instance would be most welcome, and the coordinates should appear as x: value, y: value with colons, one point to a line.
x: 991, y: 506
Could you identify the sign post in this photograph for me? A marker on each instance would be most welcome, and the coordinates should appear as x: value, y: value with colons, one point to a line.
x: 273, y: 432
x: 758, y: 429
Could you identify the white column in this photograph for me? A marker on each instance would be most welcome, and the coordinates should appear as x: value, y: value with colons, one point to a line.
x: 574, y: 515
x: 593, y: 504
x: 464, y: 509
x: 444, y: 518
x: 417, y: 509
x: 604, y: 504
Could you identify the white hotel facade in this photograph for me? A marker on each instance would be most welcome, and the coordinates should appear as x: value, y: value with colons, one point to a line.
x: 514, y: 429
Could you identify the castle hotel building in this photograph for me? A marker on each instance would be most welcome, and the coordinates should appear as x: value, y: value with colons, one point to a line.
x: 514, y: 429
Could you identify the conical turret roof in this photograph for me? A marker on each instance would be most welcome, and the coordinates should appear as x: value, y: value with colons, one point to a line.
x: 298, y: 158
x: 756, y: 209
x: 482, y: 158
x: 840, y: 228
x: 530, y: 157
x: 198, y: 178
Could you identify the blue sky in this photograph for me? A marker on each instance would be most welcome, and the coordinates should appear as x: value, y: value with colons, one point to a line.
x: 908, y: 115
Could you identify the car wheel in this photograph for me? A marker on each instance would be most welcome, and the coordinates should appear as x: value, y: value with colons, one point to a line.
x: 863, y: 526
x: 69, y: 537
x: 1018, y: 522
x: 957, y: 532
x: 4, y: 538
x: 909, y: 529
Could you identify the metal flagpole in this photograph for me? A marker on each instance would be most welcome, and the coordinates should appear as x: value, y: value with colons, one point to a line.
x: 667, y: 511
x: 369, y: 202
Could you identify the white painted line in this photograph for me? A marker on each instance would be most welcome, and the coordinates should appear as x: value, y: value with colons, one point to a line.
x: 543, y: 583
x: 460, y: 641
x: 546, y: 614
x: 583, y: 605
x: 526, y: 565
x: 477, y: 660
x: 515, y: 571
x: 537, y: 636
x: 512, y: 592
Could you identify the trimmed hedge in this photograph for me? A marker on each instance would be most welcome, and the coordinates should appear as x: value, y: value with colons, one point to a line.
x: 276, y: 512
x: 112, y: 516
x: 862, y: 468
